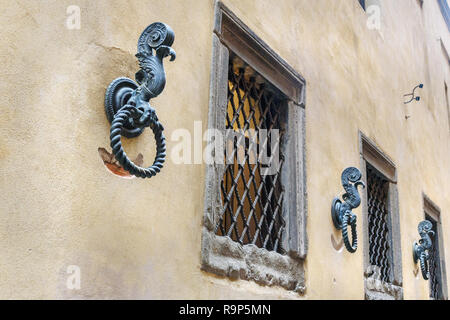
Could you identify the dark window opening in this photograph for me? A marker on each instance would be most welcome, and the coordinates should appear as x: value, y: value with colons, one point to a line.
x: 434, y: 263
x: 378, y: 218
x: 252, y: 210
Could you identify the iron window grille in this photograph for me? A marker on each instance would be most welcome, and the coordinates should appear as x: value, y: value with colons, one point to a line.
x: 252, y: 211
x: 382, y: 252
x: 434, y: 263
x: 378, y: 222
x: 254, y: 225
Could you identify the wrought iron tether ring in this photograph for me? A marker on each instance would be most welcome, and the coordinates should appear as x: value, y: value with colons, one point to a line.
x: 116, y: 127
x: 127, y: 102
x: 421, y: 249
x: 341, y: 212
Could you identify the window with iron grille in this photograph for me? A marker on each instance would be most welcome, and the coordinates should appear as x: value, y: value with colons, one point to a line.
x: 438, y: 278
x: 252, y: 201
x: 381, y: 224
x: 255, y: 211
x: 434, y: 263
x: 378, y: 216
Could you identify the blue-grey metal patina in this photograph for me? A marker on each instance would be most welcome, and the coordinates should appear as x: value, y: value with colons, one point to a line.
x: 421, y: 249
x: 127, y: 102
x: 341, y: 212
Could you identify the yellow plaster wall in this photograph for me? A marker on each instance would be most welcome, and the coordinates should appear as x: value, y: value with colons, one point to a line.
x: 141, y: 238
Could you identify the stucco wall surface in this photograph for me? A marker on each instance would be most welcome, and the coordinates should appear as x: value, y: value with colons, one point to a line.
x: 136, y: 238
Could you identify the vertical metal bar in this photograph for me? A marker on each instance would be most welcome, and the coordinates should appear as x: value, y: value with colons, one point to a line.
x: 435, y: 272
x: 378, y: 217
x: 245, y: 97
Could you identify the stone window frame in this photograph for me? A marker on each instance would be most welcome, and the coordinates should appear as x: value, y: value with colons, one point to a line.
x: 432, y: 210
x: 376, y: 289
x: 221, y: 255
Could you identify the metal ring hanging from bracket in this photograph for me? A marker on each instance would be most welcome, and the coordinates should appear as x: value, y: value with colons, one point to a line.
x: 127, y: 102
x: 341, y: 212
x: 421, y: 249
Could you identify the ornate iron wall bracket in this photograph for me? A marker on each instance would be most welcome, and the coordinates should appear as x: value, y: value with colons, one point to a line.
x: 421, y: 249
x: 341, y: 212
x: 127, y: 102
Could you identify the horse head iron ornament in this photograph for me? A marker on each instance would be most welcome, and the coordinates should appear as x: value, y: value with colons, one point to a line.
x: 421, y: 249
x: 341, y: 212
x: 127, y: 102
